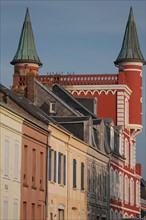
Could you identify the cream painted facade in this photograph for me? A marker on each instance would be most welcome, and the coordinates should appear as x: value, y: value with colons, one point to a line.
x: 64, y: 200
x: 10, y: 163
x: 69, y: 201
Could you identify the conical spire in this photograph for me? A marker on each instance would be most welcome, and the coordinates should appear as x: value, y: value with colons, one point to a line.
x: 130, y: 50
x: 26, y: 51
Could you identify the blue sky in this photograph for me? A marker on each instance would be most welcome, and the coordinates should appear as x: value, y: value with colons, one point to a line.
x: 74, y: 36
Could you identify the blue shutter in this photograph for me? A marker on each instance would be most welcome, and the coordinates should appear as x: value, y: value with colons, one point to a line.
x: 82, y: 176
x: 59, y: 167
x: 74, y: 173
x: 49, y: 162
x: 54, y: 166
x: 64, y: 169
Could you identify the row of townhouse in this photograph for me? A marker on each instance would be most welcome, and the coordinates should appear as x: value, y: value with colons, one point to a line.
x: 46, y: 171
x: 91, y: 151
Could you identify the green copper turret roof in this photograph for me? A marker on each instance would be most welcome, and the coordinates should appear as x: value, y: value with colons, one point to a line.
x: 26, y: 51
x: 130, y: 50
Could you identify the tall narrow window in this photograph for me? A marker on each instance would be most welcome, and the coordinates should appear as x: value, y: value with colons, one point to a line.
x: 74, y: 173
x: 16, y: 159
x: 49, y: 163
x: 5, y: 208
x: 33, y: 211
x: 64, y: 178
x: 33, y: 167
x: 127, y: 151
x: 82, y: 176
x: 61, y: 168
x: 52, y: 165
x: 24, y: 211
x: 41, y: 170
x: 6, y: 156
x: 112, y: 138
x: 15, y: 209
x: 137, y: 193
x: 25, y: 164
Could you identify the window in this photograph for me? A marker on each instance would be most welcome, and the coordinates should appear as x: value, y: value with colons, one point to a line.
x: 74, y: 173
x: 127, y: 151
x: 41, y: 170
x: 61, y: 168
x: 33, y: 211
x: 15, y: 209
x: 120, y: 143
x: 89, y: 178
x: 60, y: 214
x: 52, y: 107
x: 33, y: 167
x: 132, y: 152
x: 112, y: 138
x: 126, y: 189
x: 82, y: 176
x: 131, y: 191
x: 137, y: 193
x: 24, y: 211
x: 121, y: 186
x: 16, y: 159
x: 6, y: 156
x: 52, y: 165
x: 25, y: 164
x: 5, y: 208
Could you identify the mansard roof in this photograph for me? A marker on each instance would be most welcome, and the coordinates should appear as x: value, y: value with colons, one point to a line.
x: 26, y: 51
x: 130, y: 51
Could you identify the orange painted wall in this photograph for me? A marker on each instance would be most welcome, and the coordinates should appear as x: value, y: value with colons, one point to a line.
x: 33, y: 178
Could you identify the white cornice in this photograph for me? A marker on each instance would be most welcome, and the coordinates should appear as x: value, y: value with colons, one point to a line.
x: 98, y: 87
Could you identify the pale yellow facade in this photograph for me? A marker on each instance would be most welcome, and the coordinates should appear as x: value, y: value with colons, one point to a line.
x: 10, y: 163
x: 65, y: 201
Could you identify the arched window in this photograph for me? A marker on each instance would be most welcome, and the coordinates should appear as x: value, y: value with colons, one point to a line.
x: 126, y: 189
x: 126, y: 111
x: 131, y: 191
x: 121, y: 186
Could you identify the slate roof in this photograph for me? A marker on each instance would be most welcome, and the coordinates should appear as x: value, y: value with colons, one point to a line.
x: 71, y: 101
x: 26, y: 105
x: 58, y: 98
x: 130, y: 50
x: 26, y: 51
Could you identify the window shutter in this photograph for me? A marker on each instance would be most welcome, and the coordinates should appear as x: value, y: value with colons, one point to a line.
x: 59, y: 167
x: 16, y: 159
x: 49, y: 162
x: 82, y: 176
x: 64, y: 169
x: 74, y: 173
x: 6, y: 156
x: 54, y: 166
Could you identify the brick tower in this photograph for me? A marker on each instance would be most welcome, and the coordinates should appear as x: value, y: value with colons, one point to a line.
x: 26, y: 61
x: 130, y: 61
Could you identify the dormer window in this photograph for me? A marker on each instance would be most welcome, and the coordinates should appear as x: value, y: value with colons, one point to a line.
x: 52, y: 107
x: 112, y: 137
